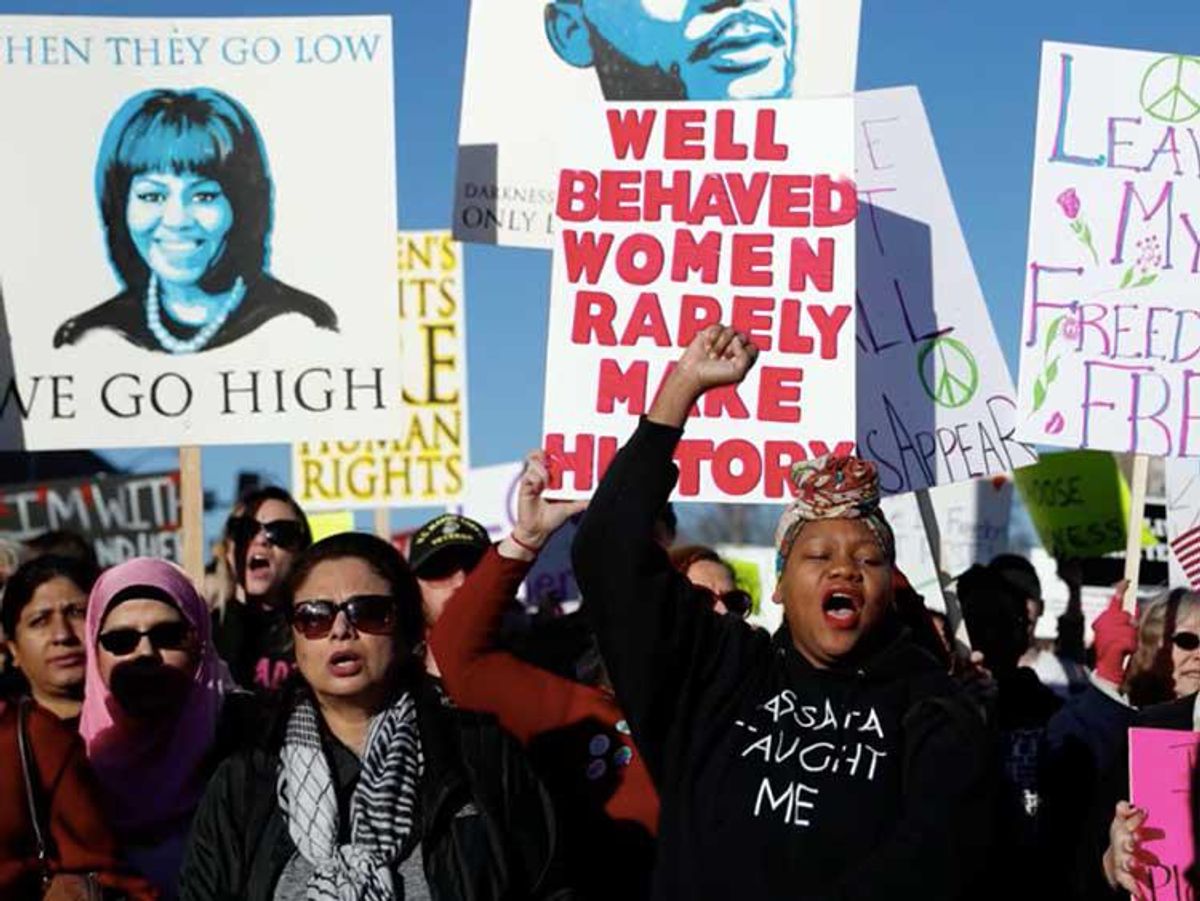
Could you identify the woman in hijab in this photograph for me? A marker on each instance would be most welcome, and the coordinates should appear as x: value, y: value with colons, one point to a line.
x: 156, y: 714
x: 836, y: 759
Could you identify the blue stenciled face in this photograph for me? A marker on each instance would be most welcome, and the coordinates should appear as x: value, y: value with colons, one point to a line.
x: 726, y: 50
x: 178, y: 223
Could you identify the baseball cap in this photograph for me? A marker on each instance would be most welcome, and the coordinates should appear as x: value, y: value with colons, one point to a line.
x: 447, y: 532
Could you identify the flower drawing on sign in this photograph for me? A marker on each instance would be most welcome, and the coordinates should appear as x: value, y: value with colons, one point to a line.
x: 1149, y: 261
x: 1070, y: 203
x: 1049, y: 369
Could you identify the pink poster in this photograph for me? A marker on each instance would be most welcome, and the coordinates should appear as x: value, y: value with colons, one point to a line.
x: 1161, y: 762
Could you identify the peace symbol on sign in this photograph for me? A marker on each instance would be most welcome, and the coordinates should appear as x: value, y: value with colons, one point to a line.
x: 948, y: 372
x: 1171, y: 89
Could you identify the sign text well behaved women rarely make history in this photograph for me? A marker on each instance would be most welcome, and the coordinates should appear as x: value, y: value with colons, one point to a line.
x: 672, y: 218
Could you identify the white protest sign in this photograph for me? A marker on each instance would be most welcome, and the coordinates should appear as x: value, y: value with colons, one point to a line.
x: 674, y: 218
x: 1110, y: 328
x: 935, y: 401
x: 197, y: 230
x: 532, y: 63
x: 424, y: 462
x: 973, y: 520
x: 491, y: 500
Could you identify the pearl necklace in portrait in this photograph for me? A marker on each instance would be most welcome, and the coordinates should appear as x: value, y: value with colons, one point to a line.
x: 176, y: 345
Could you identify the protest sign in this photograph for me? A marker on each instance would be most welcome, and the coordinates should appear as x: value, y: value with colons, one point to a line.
x: 936, y: 403
x: 122, y: 516
x: 1079, y: 503
x: 973, y: 520
x: 173, y: 193
x: 1110, y: 328
x: 1161, y: 764
x: 531, y: 64
x: 491, y: 500
x: 427, y: 463
x: 334, y: 522
x: 674, y: 218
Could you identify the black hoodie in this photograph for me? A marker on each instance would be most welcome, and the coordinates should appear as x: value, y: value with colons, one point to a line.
x: 777, y: 779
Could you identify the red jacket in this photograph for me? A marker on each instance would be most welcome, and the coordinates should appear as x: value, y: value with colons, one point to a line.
x: 577, y: 735
x: 79, y: 836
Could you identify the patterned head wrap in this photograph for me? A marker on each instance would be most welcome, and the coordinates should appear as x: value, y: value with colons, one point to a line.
x: 833, y: 488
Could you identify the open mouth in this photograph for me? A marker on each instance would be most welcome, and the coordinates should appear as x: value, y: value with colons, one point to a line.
x: 257, y: 563
x: 842, y: 608
x: 345, y: 664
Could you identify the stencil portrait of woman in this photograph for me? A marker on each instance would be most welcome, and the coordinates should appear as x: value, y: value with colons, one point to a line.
x: 186, y: 199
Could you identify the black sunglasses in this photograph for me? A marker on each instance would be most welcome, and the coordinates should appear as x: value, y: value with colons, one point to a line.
x: 373, y: 614
x: 737, y: 602
x: 283, y: 533
x: 172, y: 636
x: 1186, y: 641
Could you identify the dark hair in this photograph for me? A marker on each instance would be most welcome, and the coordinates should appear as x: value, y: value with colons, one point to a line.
x: 249, y: 506
x: 201, y: 131
x: 65, y: 543
x: 30, y: 576
x: 683, y: 558
x: 1020, y: 574
x: 384, y: 560
x: 996, y: 617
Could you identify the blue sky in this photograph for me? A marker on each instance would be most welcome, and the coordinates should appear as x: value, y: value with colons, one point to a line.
x: 974, y: 62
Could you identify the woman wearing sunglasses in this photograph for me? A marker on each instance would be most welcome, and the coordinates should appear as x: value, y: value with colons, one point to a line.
x: 266, y: 534
x: 1160, y: 687
x: 156, y: 714
x: 714, y: 579
x: 369, y: 786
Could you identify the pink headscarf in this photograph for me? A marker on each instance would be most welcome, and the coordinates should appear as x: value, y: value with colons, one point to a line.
x: 150, y: 773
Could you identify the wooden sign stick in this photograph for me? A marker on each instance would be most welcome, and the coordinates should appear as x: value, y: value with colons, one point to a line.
x: 191, y: 512
x: 1133, y: 534
x: 383, y: 523
x: 933, y: 535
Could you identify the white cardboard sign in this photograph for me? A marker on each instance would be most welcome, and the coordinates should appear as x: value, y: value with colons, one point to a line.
x: 531, y: 64
x: 1111, y: 330
x: 676, y: 217
x: 197, y: 230
x: 936, y: 403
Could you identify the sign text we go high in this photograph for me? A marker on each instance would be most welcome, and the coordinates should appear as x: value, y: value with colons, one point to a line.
x: 1110, y: 350
x: 674, y: 217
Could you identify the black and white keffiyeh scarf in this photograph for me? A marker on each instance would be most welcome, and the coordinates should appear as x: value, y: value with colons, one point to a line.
x: 381, y: 809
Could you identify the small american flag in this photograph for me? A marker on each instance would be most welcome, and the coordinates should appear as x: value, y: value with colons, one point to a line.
x: 1186, y: 547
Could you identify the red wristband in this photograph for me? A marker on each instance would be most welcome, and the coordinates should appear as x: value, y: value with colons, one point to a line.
x: 521, y: 544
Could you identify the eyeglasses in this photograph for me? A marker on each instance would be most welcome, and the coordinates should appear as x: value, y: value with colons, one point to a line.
x: 283, y: 533
x: 369, y: 613
x: 1186, y: 641
x: 172, y: 636
x: 737, y: 602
